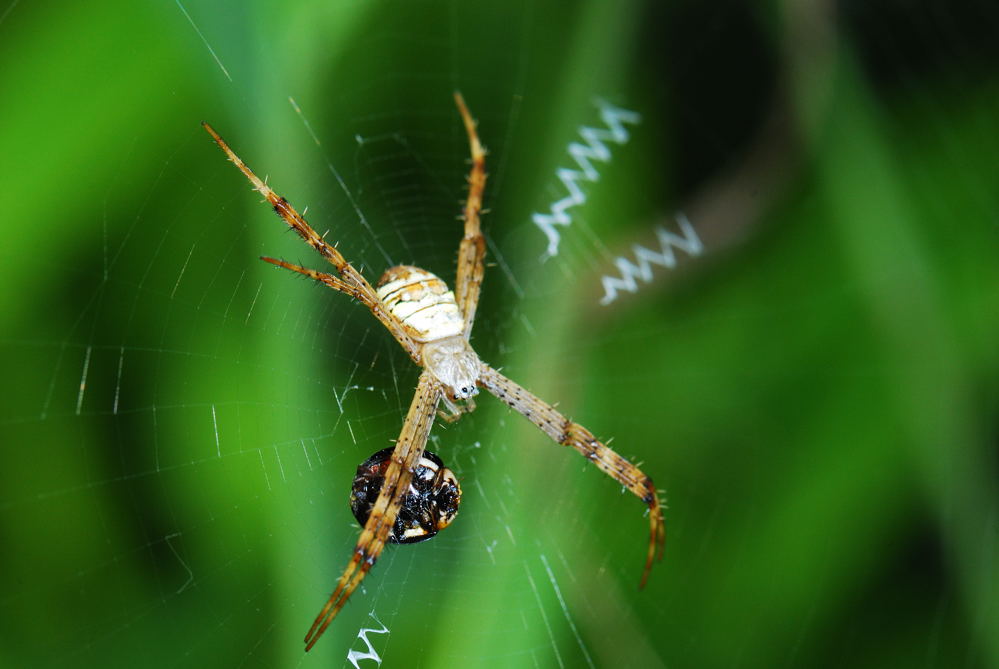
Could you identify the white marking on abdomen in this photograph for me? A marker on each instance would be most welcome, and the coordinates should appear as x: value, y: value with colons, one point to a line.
x: 422, y: 302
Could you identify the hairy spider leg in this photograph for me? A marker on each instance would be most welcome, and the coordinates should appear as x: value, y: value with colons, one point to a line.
x: 325, y: 278
x: 348, y: 274
x: 567, y: 433
x: 472, y: 250
x: 408, y: 450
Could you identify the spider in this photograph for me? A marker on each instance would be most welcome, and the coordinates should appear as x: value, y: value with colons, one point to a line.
x: 433, y: 325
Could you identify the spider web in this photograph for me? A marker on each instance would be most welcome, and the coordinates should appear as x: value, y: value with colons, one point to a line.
x: 182, y: 421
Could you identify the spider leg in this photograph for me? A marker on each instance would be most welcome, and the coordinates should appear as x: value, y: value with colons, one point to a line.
x: 322, y: 277
x: 340, y: 285
x: 408, y: 450
x: 472, y: 250
x: 567, y: 433
x: 348, y: 275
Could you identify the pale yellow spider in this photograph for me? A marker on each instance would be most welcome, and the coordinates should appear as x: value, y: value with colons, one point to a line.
x: 433, y: 325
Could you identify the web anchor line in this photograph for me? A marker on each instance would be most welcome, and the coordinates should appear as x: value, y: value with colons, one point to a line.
x: 594, y: 149
x: 690, y: 243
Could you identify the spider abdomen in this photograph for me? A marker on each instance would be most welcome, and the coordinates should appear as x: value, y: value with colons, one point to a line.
x: 422, y: 302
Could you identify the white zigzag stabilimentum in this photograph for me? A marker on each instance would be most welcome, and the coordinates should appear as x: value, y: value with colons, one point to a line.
x: 689, y: 243
x: 354, y: 656
x: 595, y: 148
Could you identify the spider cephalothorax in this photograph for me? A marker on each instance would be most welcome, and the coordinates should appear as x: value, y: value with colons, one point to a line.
x: 426, y: 308
x: 455, y: 365
x: 433, y: 324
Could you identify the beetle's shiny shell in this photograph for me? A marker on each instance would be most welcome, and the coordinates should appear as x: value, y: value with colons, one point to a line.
x: 430, y: 504
x: 422, y: 302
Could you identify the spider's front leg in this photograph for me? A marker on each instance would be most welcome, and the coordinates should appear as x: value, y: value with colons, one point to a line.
x: 350, y: 280
x: 472, y: 250
x: 408, y: 450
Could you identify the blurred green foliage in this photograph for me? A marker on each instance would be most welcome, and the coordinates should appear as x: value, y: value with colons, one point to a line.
x: 817, y: 394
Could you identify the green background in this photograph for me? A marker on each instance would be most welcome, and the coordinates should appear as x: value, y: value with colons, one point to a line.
x: 816, y: 393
